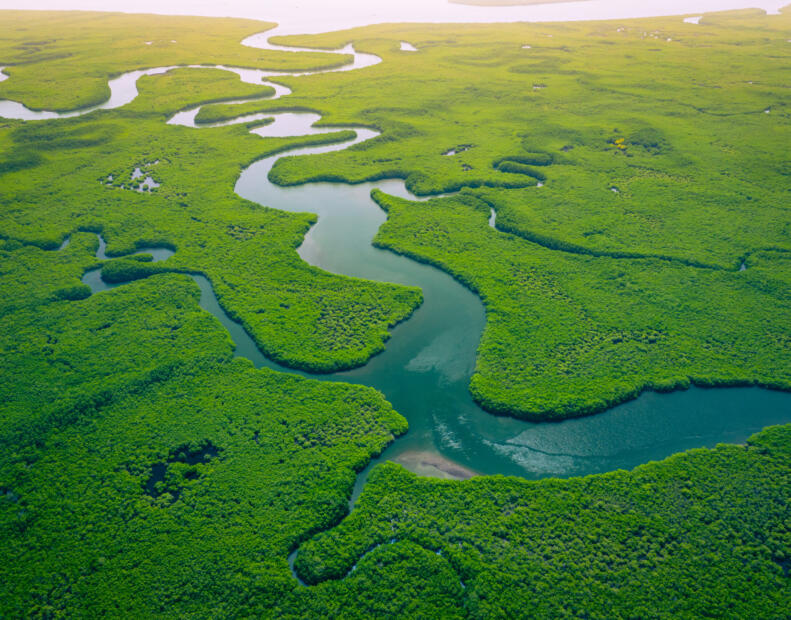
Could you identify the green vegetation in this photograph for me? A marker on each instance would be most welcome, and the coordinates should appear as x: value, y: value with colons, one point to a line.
x: 299, y: 315
x: 63, y: 60
x: 218, y: 112
x: 132, y: 268
x: 594, y: 331
x: 145, y: 472
x: 702, y: 534
x: 23, y: 266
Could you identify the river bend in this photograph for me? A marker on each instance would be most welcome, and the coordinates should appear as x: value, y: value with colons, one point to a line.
x: 426, y: 367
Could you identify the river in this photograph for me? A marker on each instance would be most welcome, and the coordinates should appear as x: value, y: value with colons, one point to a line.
x: 426, y: 367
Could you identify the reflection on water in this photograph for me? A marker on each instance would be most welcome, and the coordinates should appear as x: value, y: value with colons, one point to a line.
x: 649, y: 428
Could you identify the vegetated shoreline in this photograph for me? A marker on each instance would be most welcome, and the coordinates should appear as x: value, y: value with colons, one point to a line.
x: 502, y: 409
x: 683, y: 384
x: 265, y: 94
x: 408, y: 178
x: 329, y: 367
x: 424, y: 537
x: 547, y: 242
x: 208, y: 118
x: 307, y: 574
x: 212, y: 112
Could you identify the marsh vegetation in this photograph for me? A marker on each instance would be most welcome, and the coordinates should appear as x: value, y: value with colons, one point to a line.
x: 146, y: 471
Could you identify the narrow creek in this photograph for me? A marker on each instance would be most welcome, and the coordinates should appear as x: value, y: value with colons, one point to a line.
x: 426, y: 368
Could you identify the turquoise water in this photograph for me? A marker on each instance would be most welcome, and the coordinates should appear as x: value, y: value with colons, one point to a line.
x: 426, y: 368
x: 429, y: 359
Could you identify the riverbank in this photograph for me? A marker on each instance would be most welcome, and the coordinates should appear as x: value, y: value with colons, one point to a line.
x: 143, y: 458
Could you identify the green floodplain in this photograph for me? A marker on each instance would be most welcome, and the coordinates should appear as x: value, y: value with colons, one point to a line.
x: 638, y: 171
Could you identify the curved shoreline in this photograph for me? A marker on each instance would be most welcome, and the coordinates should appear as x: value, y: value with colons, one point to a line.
x: 400, y: 372
x: 123, y: 88
x: 299, y: 122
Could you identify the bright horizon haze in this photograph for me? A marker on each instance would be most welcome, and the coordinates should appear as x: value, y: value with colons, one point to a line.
x: 313, y: 16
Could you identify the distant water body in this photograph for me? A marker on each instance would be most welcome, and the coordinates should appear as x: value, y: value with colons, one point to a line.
x: 314, y: 16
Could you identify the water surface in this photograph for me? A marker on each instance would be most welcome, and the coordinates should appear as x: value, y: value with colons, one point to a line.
x: 426, y: 367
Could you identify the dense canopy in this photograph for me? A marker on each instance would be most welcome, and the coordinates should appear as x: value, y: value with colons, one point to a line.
x: 633, y: 168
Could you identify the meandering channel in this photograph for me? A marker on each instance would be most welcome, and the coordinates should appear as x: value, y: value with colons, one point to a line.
x: 426, y: 368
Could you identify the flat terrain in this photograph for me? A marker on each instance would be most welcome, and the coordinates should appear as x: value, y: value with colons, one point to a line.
x: 661, y: 150
x: 633, y: 169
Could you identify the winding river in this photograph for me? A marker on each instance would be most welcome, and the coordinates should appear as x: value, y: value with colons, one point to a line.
x: 427, y: 365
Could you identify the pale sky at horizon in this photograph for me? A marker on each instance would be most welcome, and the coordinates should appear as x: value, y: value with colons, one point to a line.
x: 310, y: 16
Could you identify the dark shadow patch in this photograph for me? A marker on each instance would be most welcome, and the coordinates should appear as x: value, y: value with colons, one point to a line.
x: 524, y: 164
x: 158, y: 483
x: 19, y: 158
x: 56, y: 135
x: 650, y: 139
x: 8, y: 494
x: 541, y: 65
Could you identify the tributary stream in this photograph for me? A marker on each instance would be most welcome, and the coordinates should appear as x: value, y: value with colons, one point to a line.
x: 426, y: 368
